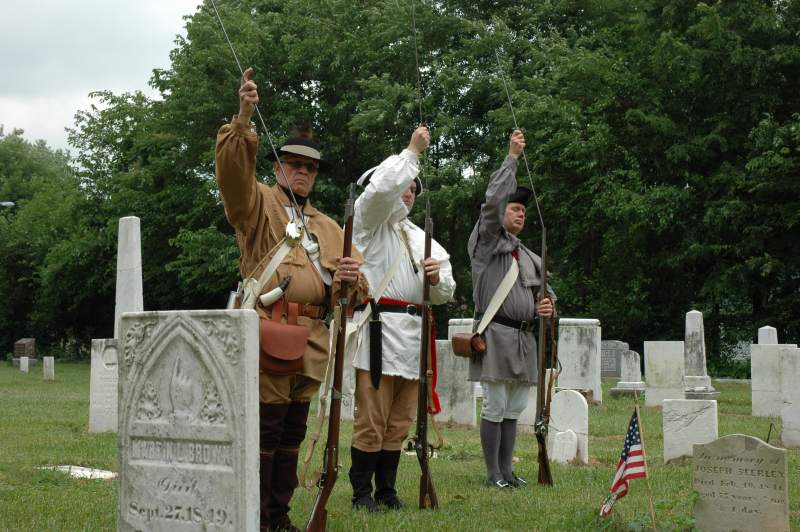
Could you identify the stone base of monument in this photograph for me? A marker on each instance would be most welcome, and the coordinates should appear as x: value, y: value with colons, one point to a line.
x: 624, y: 389
x: 699, y: 387
x: 31, y: 362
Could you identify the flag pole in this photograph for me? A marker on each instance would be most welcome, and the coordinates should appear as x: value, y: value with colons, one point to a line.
x: 644, y: 453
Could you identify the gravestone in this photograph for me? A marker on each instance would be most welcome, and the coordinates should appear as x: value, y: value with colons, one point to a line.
x: 23, y: 364
x: 696, y: 379
x: 630, y: 382
x: 663, y: 367
x: 562, y: 447
x: 188, y: 421
x: 790, y: 411
x: 570, y: 412
x: 685, y: 423
x: 24, y: 347
x: 765, y: 378
x: 456, y: 393
x: 579, y: 353
x: 743, y: 484
x: 767, y: 335
x: 103, y: 380
x: 49, y: 369
x: 129, y: 270
x: 527, y: 419
x: 611, y: 352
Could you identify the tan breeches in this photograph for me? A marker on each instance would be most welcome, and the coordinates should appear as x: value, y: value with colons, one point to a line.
x: 285, y: 389
x: 383, y: 416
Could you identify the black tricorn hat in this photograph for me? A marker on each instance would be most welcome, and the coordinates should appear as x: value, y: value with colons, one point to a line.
x: 521, y: 195
x: 366, y: 176
x: 303, y: 144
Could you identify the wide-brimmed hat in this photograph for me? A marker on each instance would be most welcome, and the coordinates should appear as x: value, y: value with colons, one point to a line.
x: 521, y: 195
x: 304, y: 146
x: 366, y: 176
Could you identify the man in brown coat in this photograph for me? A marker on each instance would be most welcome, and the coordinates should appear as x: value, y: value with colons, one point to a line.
x: 260, y: 215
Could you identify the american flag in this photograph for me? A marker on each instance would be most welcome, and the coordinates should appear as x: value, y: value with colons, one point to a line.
x: 631, y: 465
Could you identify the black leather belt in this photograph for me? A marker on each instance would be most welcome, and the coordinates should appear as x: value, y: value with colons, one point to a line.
x: 514, y: 324
x: 412, y: 310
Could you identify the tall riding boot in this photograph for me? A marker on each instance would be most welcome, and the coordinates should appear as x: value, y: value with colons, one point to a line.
x: 284, y: 468
x: 385, y: 477
x: 361, y: 472
x: 271, y: 418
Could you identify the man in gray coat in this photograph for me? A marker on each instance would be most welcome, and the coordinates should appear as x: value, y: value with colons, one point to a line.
x: 508, y: 368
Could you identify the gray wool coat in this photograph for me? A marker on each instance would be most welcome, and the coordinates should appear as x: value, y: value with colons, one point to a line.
x: 511, y: 355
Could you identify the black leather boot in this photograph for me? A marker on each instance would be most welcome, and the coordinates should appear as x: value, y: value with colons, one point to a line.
x: 361, y: 471
x: 271, y: 417
x: 385, y: 477
x: 284, y: 467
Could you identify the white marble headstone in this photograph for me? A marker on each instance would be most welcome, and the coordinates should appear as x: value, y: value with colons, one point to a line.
x: 765, y: 378
x: 579, y: 342
x: 527, y: 419
x: 129, y: 296
x: 49, y: 368
x: 23, y: 364
x: 767, y: 335
x: 697, y: 382
x: 790, y: 386
x: 188, y: 421
x: 103, y: 382
x: 456, y: 393
x: 664, y: 370
x: 562, y: 447
x: 742, y: 484
x: 570, y: 411
x: 630, y: 382
x: 685, y: 423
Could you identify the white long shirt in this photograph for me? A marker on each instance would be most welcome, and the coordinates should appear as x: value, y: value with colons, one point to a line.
x: 379, y: 218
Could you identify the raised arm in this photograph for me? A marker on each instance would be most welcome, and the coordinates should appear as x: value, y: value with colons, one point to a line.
x: 501, y: 185
x: 237, y: 145
x: 382, y: 195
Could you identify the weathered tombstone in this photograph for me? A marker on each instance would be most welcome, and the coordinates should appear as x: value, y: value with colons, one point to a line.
x: 456, y: 393
x: 129, y: 270
x: 570, y: 412
x: 767, y: 335
x: 579, y: 354
x: 188, y: 421
x: 663, y: 368
x: 103, y: 379
x: 23, y: 364
x: 630, y: 382
x: 790, y: 411
x: 464, y: 325
x: 611, y: 352
x: 49, y: 369
x: 696, y: 379
x: 562, y: 447
x: 527, y: 419
x: 765, y: 378
x: 743, y: 485
x: 685, y: 423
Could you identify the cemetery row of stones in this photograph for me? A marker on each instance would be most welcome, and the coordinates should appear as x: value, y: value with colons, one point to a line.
x: 180, y: 389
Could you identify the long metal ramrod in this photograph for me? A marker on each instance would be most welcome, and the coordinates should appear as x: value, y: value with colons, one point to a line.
x: 330, y: 465
x: 427, y: 493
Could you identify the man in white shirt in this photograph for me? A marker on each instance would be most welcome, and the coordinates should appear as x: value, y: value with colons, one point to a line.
x: 387, y: 373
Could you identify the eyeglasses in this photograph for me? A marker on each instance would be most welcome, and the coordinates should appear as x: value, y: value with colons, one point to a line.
x: 297, y: 165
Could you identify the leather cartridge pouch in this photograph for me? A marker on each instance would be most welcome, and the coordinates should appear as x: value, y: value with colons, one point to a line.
x: 468, y: 344
x: 281, y: 344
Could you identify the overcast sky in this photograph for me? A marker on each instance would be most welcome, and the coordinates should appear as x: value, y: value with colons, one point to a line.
x: 54, y: 52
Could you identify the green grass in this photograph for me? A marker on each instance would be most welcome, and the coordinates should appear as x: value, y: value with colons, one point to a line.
x: 45, y: 423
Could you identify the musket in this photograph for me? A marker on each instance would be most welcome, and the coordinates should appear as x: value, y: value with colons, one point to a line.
x: 427, y: 493
x: 330, y: 459
x: 543, y: 397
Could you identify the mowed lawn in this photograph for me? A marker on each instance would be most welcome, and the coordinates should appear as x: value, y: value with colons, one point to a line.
x: 45, y: 423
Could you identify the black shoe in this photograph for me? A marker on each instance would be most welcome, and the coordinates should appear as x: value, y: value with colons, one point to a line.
x: 518, y: 482
x: 499, y: 484
x: 392, y: 502
x: 365, y: 502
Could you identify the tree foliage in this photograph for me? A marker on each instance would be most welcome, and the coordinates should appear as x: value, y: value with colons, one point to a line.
x: 662, y: 141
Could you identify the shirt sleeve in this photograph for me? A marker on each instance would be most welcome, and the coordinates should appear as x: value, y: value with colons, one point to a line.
x: 382, y: 195
x: 444, y: 290
x: 501, y: 186
x: 236, y: 150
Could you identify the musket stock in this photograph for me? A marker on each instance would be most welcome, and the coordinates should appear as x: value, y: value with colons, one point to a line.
x: 330, y: 472
x: 427, y: 493
x: 542, y: 398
